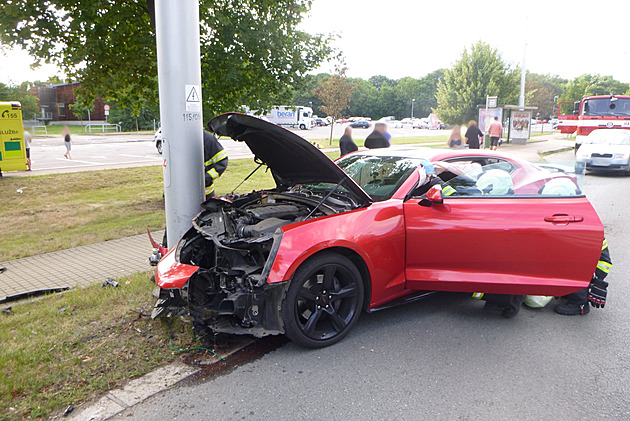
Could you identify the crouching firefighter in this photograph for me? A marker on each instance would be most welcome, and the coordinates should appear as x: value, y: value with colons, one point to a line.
x: 576, y: 304
x: 215, y: 161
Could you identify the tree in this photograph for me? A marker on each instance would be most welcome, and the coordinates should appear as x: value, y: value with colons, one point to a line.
x: 540, y: 91
x: 20, y: 94
x: 593, y: 85
x: 251, y: 51
x: 335, y: 95
x: 477, y: 74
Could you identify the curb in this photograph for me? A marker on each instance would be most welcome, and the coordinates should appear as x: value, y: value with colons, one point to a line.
x: 138, y: 390
x: 557, y: 150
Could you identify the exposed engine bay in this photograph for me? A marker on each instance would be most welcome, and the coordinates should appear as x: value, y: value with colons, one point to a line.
x: 232, y: 242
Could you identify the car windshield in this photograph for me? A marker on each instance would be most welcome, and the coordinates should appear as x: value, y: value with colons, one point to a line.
x: 606, y: 106
x: 608, y: 137
x: 379, y: 176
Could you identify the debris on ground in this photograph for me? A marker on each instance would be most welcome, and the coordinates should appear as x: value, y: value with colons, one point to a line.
x: 109, y: 282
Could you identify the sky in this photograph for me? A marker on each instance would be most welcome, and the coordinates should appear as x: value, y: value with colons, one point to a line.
x: 399, y: 38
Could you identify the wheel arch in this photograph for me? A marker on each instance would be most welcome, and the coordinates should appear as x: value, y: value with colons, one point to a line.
x: 358, y: 262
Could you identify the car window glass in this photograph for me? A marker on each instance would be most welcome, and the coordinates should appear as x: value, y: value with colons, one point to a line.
x: 486, y: 181
x: 378, y: 176
x: 496, y: 162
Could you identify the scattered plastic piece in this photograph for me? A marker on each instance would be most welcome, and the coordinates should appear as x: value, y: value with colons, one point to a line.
x: 109, y: 282
x: 68, y: 410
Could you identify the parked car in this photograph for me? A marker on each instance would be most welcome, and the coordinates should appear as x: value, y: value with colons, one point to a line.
x: 331, y: 240
x: 606, y: 150
x: 420, y: 123
x: 320, y: 122
x: 364, y: 124
x: 157, y: 139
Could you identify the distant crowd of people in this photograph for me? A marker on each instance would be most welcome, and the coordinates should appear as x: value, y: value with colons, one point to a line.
x: 380, y: 137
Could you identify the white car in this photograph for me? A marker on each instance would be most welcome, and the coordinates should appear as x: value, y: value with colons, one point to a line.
x: 158, y: 140
x: 421, y: 123
x: 606, y: 150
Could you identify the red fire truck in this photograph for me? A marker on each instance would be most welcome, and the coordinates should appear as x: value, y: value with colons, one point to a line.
x: 595, y: 112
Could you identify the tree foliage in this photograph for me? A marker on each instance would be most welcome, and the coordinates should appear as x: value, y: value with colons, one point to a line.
x: 476, y: 75
x: 540, y: 91
x: 593, y: 85
x: 20, y: 94
x: 251, y: 50
x: 335, y: 94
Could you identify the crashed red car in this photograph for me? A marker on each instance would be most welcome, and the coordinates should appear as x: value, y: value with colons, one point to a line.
x: 367, y: 232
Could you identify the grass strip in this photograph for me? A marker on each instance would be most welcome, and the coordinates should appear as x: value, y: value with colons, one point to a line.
x: 67, y: 348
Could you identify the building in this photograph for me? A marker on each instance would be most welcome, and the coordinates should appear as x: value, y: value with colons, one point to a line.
x: 54, y: 103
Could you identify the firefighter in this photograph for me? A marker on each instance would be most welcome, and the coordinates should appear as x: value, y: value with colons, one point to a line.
x: 215, y: 161
x: 576, y: 304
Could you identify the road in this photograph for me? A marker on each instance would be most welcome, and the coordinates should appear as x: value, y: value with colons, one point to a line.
x: 441, y: 359
x: 92, y: 152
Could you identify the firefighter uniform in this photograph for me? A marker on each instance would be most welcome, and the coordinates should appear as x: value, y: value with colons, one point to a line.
x: 577, y: 303
x: 215, y: 161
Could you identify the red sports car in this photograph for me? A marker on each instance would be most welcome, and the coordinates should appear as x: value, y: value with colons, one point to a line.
x: 376, y: 228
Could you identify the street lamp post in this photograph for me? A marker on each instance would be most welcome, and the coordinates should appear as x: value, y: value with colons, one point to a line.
x: 412, y: 101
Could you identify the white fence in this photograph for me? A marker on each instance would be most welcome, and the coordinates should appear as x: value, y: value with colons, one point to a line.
x: 102, y: 128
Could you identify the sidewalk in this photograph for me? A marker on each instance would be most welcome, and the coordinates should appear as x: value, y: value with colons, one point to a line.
x: 92, y: 264
x: 76, y: 267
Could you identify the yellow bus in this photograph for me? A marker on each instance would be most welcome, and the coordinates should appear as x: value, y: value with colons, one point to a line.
x: 12, y: 149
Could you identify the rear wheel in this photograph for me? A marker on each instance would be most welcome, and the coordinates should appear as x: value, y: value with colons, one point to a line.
x: 158, y: 145
x: 323, y: 301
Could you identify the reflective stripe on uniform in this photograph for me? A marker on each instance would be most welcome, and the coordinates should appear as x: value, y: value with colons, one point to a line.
x: 213, y: 173
x: 448, y: 190
x: 604, y: 244
x: 210, y: 190
x: 478, y: 295
x: 219, y: 156
x: 604, y: 266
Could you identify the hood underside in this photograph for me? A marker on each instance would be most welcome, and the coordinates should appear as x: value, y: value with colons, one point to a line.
x: 291, y: 159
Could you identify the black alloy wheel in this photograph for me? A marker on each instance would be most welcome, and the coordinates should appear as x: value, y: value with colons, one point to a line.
x: 323, y: 302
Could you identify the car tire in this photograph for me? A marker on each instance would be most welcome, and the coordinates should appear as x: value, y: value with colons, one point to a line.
x: 158, y: 145
x: 323, y: 302
x: 302, y: 127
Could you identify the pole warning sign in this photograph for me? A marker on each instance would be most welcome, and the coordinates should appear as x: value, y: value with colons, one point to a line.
x: 193, y: 98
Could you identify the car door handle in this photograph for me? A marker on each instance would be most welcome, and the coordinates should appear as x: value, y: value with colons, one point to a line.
x: 563, y: 219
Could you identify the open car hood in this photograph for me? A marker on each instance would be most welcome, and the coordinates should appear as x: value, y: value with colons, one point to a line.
x: 291, y: 159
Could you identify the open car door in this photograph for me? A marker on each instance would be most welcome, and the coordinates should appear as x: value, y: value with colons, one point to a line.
x: 495, y: 240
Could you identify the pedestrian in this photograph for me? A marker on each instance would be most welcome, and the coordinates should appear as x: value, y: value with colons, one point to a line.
x: 379, y: 137
x: 472, y: 135
x: 495, y: 130
x: 346, y: 144
x: 27, y: 146
x: 455, y: 139
x: 215, y: 161
x: 67, y: 141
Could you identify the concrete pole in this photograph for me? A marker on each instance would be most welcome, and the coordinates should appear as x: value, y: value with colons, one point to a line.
x: 521, y: 98
x: 179, y: 76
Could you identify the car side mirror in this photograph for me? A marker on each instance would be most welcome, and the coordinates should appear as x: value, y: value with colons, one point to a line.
x: 434, y: 195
